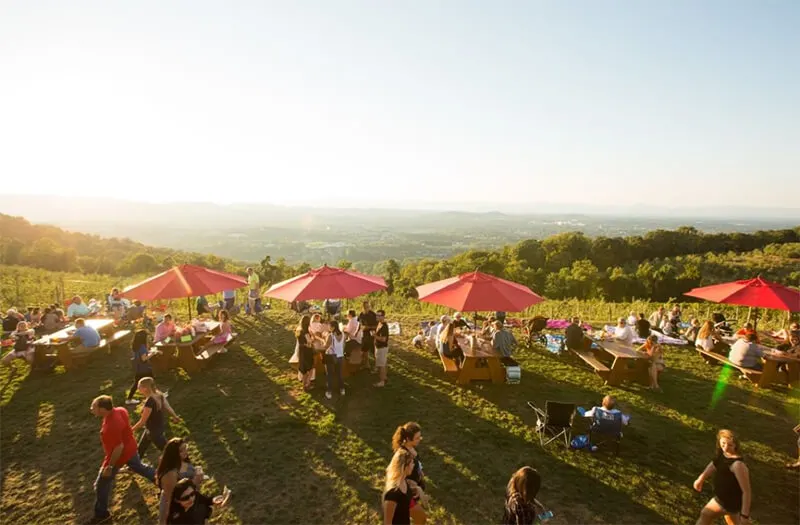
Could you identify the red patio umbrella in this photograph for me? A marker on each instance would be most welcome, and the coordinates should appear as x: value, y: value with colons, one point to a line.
x: 476, y: 291
x: 326, y: 283
x: 757, y: 293
x: 186, y: 280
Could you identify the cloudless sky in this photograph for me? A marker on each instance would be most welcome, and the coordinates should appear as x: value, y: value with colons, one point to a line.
x: 681, y: 102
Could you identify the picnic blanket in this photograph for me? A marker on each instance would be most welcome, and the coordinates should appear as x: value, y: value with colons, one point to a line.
x: 562, y: 324
x: 662, y: 339
x: 394, y: 329
x: 555, y: 343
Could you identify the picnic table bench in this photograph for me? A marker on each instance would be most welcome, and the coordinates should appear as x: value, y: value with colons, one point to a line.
x: 616, y: 362
x: 771, y: 372
x: 56, y: 345
x: 713, y: 358
x: 481, y: 363
x: 189, y: 354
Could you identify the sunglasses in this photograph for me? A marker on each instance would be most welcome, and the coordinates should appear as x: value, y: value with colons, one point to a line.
x: 186, y: 497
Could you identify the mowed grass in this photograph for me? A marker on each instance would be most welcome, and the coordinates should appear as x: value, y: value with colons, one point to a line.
x: 295, y: 457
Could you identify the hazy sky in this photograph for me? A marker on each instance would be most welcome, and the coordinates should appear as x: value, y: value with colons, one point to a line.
x: 673, y: 102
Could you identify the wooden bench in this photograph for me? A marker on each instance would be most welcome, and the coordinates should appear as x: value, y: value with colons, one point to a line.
x: 209, y: 351
x: 589, y: 358
x: 118, y: 336
x: 712, y: 358
x: 448, y: 364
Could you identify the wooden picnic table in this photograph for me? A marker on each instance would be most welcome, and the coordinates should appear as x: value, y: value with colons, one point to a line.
x: 58, y: 342
x: 626, y: 363
x: 773, y: 359
x: 177, y: 353
x: 481, y: 362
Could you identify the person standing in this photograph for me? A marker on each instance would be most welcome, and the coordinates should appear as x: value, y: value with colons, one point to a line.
x: 655, y: 354
x: 141, y: 363
x: 397, y: 493
x: 120, y: 449
x: 334, y: 355
x: 369, y: 322
x: 253, y: 284
x: 522, y: 507
x: 408, y: 437
x: 305, y: 347
x: 732, y: 494
x: 381, y: 347
x: 229, y: 297
x: 152, y: 418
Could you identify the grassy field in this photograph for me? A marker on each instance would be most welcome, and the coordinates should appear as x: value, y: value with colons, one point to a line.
x: 295, y: 457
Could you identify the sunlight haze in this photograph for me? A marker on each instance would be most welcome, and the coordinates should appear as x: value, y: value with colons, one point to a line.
x: 678, y: 103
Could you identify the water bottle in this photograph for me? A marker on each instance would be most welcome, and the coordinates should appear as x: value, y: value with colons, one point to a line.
x: 545, y: 516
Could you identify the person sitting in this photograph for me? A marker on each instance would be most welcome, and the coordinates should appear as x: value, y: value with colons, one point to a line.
x: 623, y: 332
x: 88, y: 336
x: 23, y: 338
x: 575, y: 338
x: 694, y: 328
x: 225, y: 331
x: 202, y: 306
x: 51, y: 320
x: 609, y: 406
x: 656, y: 355
x: 710, y: 340
x: 459, y: 321
x: 670, y: 326
x: 487, y: 330
x: 116, y: 303
x: 352, y: 332
x: 747, y: 353
x: 642, y: 327
x: 745, y: 331
x: 332, y: 307
x: 317, y: 327
x: 135, y: 312
x: 793, y: 345
x: 675, y: 314
x: 632, y: 318
x: 11, y: 320
x: 449, y: 345
x: 522, y: 507
x: 721, y: 324
x: 784, y: 336
x: 657, y: 317
x: 504, y: 343
x: 164, y: 329
x: 419, y: 340
x: 77, y: 308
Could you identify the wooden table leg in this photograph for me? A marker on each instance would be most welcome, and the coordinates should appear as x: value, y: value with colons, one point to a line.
x: 641, y: 371
x: 769, y: 374
x: 187, y: 359
x: 65, y: 356
x: 496, y: 370
x: 618, y: 372
x: 466, y: 371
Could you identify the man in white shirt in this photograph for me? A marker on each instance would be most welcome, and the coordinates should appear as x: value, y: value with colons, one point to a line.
x: 623, y: 332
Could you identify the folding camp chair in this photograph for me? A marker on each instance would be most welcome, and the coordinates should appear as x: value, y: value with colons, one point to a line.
x: 554, y: 422
x: 606, y: 427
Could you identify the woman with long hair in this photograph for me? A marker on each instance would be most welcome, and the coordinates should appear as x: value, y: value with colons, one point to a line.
x: 305, y: 345
x: 397, y: 493
x: 522, y: 507
x: 655, y: 353
x: 141, y: 363
x: 188, y: 505
x: 732, y: 494
x: 450, y: 347
x: 173, y: 466
x: 709, y: 339
x: 333, y: 358
x: 152, y: 418
x: 408, y: 437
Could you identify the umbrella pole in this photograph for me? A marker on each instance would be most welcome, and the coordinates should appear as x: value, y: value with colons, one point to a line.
x: 189, y: 307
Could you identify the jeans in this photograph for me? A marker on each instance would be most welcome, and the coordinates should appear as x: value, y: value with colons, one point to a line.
x: 103, y: 485
x: 333, y: 365
x: 159, y: 440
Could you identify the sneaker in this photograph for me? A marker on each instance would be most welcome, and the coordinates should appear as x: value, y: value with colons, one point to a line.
x: 328, y: 395
x: 341, y: 392
x: 380, y: 384
x: 98, y: 519
x: 131, y: 401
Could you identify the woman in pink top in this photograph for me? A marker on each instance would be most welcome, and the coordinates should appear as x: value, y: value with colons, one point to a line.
x: 224, y: 328
x: 165, y: 328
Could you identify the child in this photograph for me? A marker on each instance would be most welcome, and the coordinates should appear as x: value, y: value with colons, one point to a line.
x: 225, y: 331
x: 23, y: 344
x: 654, y: 351
x: 419, y: 339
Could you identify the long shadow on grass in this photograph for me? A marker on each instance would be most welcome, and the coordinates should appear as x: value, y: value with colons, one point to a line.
x: 275, y: 447
x: 471, y: 456
x: 48, y: 431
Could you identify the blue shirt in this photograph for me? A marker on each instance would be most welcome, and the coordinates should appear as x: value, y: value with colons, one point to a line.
x: 141, y: 367
x: 228, y: 294
x: 88, y: 336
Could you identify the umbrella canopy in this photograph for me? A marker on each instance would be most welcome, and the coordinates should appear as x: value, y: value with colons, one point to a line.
x: 757, y: 293
x: 476, y: 291
x: 326, y: 283
x: 185, y: 280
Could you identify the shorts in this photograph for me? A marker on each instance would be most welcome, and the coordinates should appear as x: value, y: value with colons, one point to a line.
x: 381, y: 356
x: 727, y: 506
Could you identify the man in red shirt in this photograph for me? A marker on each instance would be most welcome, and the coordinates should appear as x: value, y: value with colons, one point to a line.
x: 120, y: 449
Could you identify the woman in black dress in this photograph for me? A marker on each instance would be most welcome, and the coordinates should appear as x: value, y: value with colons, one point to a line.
x: 398, y: 494
x: 732, y: 494
x: 306, y: 350
x: 408, y: 437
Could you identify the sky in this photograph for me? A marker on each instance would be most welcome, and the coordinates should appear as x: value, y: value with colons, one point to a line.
x: 397, y: 103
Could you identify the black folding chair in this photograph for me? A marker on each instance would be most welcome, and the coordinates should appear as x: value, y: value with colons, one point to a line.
x: 606, y: 427
x: 554, y: 422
